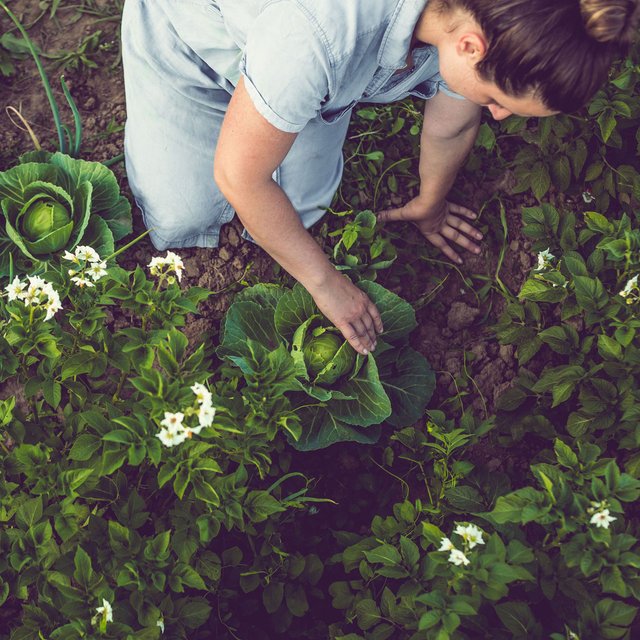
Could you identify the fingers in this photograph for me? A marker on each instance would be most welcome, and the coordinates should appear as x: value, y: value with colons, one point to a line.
x: 390, y: 215
x: 460, y: 210
x: 361, y: 332
x: 439, y: 242
x: 461, y: 233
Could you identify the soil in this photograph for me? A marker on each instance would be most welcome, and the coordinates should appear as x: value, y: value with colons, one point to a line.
x: 453, y: 328
x: 452, y: 331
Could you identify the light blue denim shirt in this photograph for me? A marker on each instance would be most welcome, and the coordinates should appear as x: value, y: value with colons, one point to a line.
x: 304, y: 59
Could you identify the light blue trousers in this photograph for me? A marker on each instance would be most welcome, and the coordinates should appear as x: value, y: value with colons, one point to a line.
x: 175, y: 107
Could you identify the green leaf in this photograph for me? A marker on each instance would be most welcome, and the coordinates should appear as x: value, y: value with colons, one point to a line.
x: 370, y: 405
x: 322, y: 429
x: 296, y: 600
x: 29, y: 513
x: 566, y: 457
x: 517, y: 617
x: 295, y: 306
x: 272, y: 596
x: 409, y: 551
x: 613, y: 581
x: 561, y: 171
x: 540, y: 181
x: 609, y: 348
x: 398, y: 316
x: 521, y: 506
x: 607, y: 123
x: 614, y: 612
x: 590, y: 293
x: 77, y: 364
x: 259, y: 505
x: 368, y: 614
x: 464, y: 498
x: 246, y: 320
x: 409, y: 381
x: 385, y: 554
x: 193, y: 612
x: 538, y: 290
x: 83, y: 571
x: 84, y: 447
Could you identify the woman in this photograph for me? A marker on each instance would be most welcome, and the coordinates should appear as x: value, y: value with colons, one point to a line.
x: 243, y: 106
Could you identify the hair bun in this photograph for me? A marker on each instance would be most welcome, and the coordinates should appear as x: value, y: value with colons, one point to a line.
x: 612, y: 21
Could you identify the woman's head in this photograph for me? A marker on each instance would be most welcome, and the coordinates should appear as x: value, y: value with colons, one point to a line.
x: 558, y: 50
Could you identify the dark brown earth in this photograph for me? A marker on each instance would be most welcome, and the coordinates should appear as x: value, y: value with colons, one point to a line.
x: 453, y: 326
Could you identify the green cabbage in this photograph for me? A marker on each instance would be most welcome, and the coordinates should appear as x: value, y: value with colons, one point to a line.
x: 51, y: 202
x: 276, y: 334
x: 319, y: 351
x: 47, y: 225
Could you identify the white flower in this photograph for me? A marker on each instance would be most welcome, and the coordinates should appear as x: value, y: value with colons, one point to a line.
x: 628, y: 288
x: 470, y: 534
x: 571, y: 635
x: 446, y: 545
x: 172, y: 261
x: 206, y: 415
x: 160, y: 623
x: 170, y: 438
x: 31, y: 296
x: 87, y: 253
x: 15, y: 289
x: 156, y: 261
x: 82, y: 282
x: 37, y: 292
x: 190, y: 431
x: 172, y: 421
x: 175, y: 261
x: 53, y: 305
x: 97, y: 270
x: 457, y: 557
x: 587, y: 197
x: 203, y: 395
x: 544, y: 259
x: 602, y: 519
x: 72, y: 257
x: 105, y: 610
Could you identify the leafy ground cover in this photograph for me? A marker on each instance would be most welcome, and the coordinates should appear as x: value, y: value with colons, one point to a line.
x: 162, y: 465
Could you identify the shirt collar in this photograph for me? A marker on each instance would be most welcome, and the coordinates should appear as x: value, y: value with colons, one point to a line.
x: 397, y: 38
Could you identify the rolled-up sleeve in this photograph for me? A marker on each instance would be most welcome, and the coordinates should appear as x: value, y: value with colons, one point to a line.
x: 285, y: 66
x: 442, y: 86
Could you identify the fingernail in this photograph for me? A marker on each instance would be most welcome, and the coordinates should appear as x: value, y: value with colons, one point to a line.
x: 459, y: 260
x: 479, y: 236
x: 365, y: 352
x: 477, y: 250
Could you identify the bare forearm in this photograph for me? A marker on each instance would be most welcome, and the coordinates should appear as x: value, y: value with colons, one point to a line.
x: 440, y: 160
x: 268, y: 215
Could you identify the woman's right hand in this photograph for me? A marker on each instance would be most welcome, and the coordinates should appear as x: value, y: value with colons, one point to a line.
x: 350, y: 310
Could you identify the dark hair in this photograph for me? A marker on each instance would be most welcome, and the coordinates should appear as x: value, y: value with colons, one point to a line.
x: 561, y: 49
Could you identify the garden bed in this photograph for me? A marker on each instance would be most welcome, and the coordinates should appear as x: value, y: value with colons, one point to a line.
x: 287, y: 566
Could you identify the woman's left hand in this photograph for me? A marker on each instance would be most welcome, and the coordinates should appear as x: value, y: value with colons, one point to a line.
x: 439, y: 224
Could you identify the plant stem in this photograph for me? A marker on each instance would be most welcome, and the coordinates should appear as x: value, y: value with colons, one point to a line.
x: 126, y: 246
x: 43, y: 75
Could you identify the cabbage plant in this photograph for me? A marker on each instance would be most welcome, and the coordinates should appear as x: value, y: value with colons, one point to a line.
x: 51, y: 202
x: 339, y: 394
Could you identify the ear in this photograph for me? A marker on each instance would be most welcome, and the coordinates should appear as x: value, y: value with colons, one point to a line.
x: 472, y: 45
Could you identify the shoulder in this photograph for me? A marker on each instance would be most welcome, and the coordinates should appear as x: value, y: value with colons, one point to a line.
x: 341, y: 25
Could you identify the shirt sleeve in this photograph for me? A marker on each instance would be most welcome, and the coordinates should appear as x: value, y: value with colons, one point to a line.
x: 442, y: 86
x: 285, y: 66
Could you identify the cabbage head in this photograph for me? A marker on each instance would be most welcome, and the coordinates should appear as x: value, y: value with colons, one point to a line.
x: 283, y: 345
x: 321, y: 351
x: 50, y: 203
